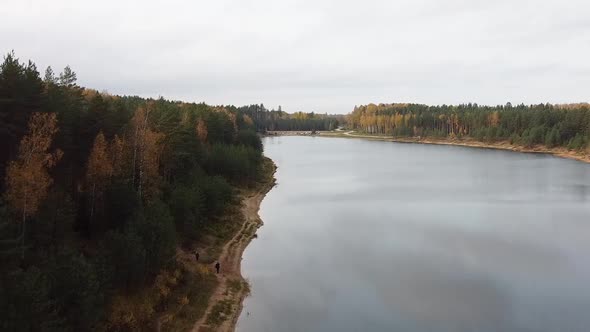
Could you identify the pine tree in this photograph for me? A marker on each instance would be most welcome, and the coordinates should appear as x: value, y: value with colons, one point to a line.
x: 49, y: 76
x: 68, y: 77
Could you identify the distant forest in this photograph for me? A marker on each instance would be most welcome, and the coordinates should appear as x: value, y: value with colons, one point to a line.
x: 98, y: 191
x: 278, y: 120
x: 550, y: 125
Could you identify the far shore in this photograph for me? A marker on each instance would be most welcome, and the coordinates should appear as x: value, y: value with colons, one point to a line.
x: 468, y: 142
x: 297, y: 133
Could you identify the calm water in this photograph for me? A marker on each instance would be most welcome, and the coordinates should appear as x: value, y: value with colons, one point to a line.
x: 378, y: 236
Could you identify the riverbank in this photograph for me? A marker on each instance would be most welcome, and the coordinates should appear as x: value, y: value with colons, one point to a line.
x: 225, y: 304
x: 469, y: 142
x: 294, y: 133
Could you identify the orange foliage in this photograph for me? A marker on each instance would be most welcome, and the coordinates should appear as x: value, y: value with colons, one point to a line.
x: 116, y: 149
x: 494, y: 119
x: 27, y: 177
x: 231, y: 116
x: 147, y: 149
x: 202, y: 131
x: 248, y: 120
x: 100, y: 166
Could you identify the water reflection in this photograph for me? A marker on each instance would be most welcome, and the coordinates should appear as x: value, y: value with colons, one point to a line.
x: 376, y: 236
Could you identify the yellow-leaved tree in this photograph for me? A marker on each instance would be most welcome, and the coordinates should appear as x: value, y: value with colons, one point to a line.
x: 27, y: 177
x: 99, y: 169
x: 202, y: 131
x: 116, y: 150
x: 147, y: 149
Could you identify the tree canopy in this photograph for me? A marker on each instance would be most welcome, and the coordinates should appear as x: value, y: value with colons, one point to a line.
x: 551, y: 125
x: 99, y: 190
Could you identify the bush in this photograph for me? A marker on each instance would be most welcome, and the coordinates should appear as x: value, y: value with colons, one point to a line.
x: 480, y: 134
x: 237, y: 163
x: 552, y: 138
x: 187, y: 206
x: 156, y: 229
x: 249, y: 138
x: 198, y: 199
x: 537, y: 135
x: 526, y: 139
x: 576, y: 143
x: 217, y: 193
x: 121, y: 201
x: 76, y: 291
x: 25, y: 304
x: 122, y: 259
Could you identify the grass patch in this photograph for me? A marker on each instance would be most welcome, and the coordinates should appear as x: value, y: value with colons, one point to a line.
x: 266, y: 174
x: 187, y: 302
x: 234, y: 285
x: 246, y: 286
x: 220, y: 312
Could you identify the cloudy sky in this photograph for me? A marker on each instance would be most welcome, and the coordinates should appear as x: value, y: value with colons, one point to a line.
x: 321, y: 55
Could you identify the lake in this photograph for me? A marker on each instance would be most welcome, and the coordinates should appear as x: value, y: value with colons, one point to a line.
x: 363, y: 235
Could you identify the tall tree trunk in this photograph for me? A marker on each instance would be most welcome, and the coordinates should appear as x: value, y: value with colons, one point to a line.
x: 134, y: 157
x: 92, y: 206
x: 24, y: 221
x: 54, y: 231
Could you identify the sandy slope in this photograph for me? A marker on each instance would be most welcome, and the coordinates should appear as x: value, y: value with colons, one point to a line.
x: 230, y: 259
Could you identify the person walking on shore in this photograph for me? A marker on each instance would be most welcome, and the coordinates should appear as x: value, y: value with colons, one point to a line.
x: 217, y: 266
x: 197, y: 255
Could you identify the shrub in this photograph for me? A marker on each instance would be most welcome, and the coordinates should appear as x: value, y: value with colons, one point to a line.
x: 122, y: 259
x: 155, y: 227
x: 76, y: 291
x: 249, y: 138
x: 237, y: 163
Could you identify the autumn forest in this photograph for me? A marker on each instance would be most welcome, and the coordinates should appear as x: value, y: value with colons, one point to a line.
x: 527, y: 125
x: 99, y: 191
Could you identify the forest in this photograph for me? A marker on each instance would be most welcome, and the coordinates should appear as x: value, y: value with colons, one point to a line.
x: 527, y: 125
x: 99, y: 191
x: 279, y: 120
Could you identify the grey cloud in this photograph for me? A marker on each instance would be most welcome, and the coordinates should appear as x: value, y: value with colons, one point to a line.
x: 322, y: 55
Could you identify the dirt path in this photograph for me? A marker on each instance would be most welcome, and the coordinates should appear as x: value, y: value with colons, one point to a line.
x: 225, y: 304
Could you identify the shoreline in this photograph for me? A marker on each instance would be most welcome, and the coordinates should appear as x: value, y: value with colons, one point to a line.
x: 272, y: 133
x: 560, y: 152
x: 226, y: 303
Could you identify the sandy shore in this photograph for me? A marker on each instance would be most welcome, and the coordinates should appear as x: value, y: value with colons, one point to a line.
x: 225, y: 305
x: 295, y: 133
x: 500, y: 145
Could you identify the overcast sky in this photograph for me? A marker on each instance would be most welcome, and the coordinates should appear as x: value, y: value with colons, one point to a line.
x: 321, y: 55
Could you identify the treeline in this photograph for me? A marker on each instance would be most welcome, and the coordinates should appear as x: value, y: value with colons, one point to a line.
x: 528, y: 125
x: 99, y: 191
x: 278, y: 120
